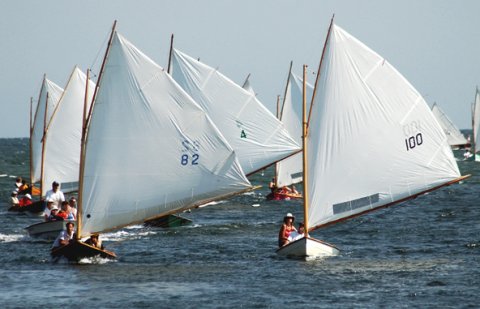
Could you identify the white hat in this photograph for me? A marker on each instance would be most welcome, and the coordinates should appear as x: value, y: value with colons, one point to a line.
x: 28, y: 196
x: 14, y: 192
x: 54, y: 208
x: 289, y: 215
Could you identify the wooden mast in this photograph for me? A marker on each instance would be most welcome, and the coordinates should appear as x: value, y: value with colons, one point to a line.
x: 472, y: 140
x: 30, y: 145
x: 320, y: 66
x: 304, y: 153
x: 170, y: 54
x: 44, y: 140
x: 86, y: 118
x: 82, y: 156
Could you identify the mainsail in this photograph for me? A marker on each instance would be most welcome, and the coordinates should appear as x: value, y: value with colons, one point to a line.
x: 258, y: 137
x: 151, y: 149
x: 372, y: 139
x: 289, y: 171
x: 64, y: 132
x: 454, y: 136
x: 49, y: 96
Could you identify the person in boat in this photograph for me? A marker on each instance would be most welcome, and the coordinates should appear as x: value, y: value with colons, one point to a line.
x: 25, y: 200
x: 24, y: 188
x: 95, y: 241
x: 65, y: 212
x: 18, y: 183
x: 272, y: 186
x: 54, y: 215
x: 285, y: 190
x: 65, y: 236
x: 286, y: 229
x: 467, y: 154
x: 55, y: 195
x: 300, y: 233
x: 294, y: 190
x: 14, y: 202
x: 72, y: 202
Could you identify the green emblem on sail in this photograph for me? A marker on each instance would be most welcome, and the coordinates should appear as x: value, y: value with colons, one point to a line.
x: 243, y: 134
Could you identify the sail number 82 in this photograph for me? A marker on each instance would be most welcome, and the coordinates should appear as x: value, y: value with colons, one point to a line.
x: 186, y: 160
x: 414, y: 141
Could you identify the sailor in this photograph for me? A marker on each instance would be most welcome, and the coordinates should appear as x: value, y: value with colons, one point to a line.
x: 286, y: 229
x: 65, y: 236
x: 55, y: 195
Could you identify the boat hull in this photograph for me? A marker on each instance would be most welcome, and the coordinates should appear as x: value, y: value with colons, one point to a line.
x: 35, y: 208
x: 277, y: 196
x: 308, y: 247
x: 48, y: 230
x: 169, y: 221
x: 77, y: 250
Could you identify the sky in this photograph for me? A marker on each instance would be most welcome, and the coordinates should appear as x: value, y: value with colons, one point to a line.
x: 435, y: 44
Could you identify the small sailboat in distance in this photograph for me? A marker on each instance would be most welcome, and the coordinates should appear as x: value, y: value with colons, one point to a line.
x: 454, y: 136
x: 371, y: 141
x: 149, y: 150
x: 475, y: 141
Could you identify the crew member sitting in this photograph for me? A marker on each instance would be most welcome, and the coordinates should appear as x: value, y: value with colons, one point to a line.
x: 95, y: 241
x: 26, y: 200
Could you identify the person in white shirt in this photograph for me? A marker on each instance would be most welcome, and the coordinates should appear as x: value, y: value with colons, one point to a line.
x: 55, y: 195
x: 295, y: 235
x: 65, y: 236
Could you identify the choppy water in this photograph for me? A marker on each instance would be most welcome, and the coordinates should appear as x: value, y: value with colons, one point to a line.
x: 424, y: 254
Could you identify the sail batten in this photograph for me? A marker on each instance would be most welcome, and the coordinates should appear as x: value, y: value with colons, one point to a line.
x: 151, y: 150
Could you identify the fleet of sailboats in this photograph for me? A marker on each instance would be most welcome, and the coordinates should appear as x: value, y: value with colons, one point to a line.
x: 371, y: 142
x: 146, y: 143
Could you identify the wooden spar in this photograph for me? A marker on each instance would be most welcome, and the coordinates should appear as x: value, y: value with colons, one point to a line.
x: 279, y: 115
x: 304, y: 153
x: 392, y: 203
x: 86, y: 118
x: 275, y: 176
x: 31, y: 141
x: 270, y: 164
x: 319, y: 67
x: 246, y: 81
x: 101, y: 71
x: 44, y: 140
x: 30, y: 145
x: 170, y: 54
x: 82, y: 160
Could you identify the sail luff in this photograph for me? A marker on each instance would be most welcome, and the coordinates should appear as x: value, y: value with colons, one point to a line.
x: 476, y: 123
x: 170, y: 54
x: 44, y: 142
x: 31, y: 141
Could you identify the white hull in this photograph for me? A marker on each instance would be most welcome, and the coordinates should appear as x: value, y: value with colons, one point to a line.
x: 46, y: 230
x: 308, y: 247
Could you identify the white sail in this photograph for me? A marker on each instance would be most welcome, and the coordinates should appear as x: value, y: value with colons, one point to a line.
x: 290, y: 170
x: 64, y: 132
x: 372, y: 139
x: 258, y: 137
x: 476, y: 126
x: 54, y: 93
x: 454, y: 136
x: 247, y: 86
x: 151, y: 150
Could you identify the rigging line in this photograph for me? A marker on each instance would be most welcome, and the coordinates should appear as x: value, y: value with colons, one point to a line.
x: 107, y: 35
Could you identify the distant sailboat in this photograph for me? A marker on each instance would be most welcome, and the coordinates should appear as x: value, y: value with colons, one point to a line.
x: 50, y: 94
x: 149, y: 151
x: 61, y: 159
x: 475, y: 148
x: 371, y: 141
x: 454, y: 136
x: 289, y: 171
x: 257, y: 136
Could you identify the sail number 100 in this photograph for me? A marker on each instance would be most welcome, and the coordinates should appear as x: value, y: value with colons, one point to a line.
x: 414, y: 141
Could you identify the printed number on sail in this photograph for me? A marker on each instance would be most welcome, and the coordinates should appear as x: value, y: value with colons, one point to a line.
x: 413, y: 137
x: 190, y: 154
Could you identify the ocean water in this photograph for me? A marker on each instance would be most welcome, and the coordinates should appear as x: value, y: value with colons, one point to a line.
x: 422, y: 254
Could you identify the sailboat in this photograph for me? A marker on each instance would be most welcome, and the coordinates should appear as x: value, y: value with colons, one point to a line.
x: 61, y: 155
x: 149, y: 150
x: 48, y: 99
x: 50, y: 94
x: 454, y: 136
x: 289, y: 171
x: 371, y: 142
x: 257, y: 136
x: 475, y: 141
